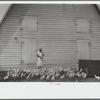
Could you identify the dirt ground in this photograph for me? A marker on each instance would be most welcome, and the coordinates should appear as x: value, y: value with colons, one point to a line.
x: 91, y: 79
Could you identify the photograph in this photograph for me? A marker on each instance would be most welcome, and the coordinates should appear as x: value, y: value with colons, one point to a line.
x: 49, y: 42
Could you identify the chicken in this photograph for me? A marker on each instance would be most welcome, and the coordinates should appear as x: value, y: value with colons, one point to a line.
x: 14, y: 76
x: 97, y: 77
x: 83, y: 75
x: 65, y: 70
x: 76, y: 81
x: 48, y: 77
x: 37, y: 74
x: 78, y: 75
x: 6, y: 77
x: 80, y: 70
x: 67, y: 74
x: 60, y: 69
x: 62, y: 76
x: 57, y: 75
x: 52, y: 78
x: 29, y: 75
x: 32, y: 75
x: 72, y: 74
x: 76, y: 69
x: 21, y: 75
x: 43, y: 77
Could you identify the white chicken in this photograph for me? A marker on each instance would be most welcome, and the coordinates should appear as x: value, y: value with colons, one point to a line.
x: 48, y: 77
x: 78, y: 75
x: 43, y: 77
x: 52, y: 78
x: 37, y: 74
x: 83, y: 75
x: 77, y: 69
x: 28, y: 76
x: 60, y: 69
x: 66, y: 70
x: 32, y: 75
x: 57, y: 75
x: 62, y: 76
x: 6, y: 77
x: 97, y: 77
x: 76, y: 81
x: 71, y: 75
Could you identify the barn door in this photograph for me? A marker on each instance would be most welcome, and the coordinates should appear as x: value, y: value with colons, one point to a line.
x: 28, y: 51
x: 83, y: 49
x: 28, y: 29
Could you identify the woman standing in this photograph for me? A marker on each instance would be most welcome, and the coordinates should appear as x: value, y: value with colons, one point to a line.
x: 40, y: 56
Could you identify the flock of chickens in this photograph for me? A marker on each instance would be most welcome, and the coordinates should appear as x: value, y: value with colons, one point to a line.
x: 48, y: 74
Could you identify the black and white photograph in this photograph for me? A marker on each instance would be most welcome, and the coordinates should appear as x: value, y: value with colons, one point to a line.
x: 49, y: 42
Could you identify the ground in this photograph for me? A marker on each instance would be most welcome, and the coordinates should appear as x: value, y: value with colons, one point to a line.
x: 69, y: 80
x: 91, y: 79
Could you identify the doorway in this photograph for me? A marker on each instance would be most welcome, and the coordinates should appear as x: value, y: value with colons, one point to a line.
x: 28, y: 51
x: 83, y: 50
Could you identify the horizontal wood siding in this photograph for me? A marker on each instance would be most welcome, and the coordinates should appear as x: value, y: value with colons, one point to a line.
x: 95, y: 42
x: 56, y: 32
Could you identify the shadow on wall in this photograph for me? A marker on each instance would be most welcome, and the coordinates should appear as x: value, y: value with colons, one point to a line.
x: 10, y: 44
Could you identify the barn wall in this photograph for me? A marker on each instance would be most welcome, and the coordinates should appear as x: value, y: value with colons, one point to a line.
x: 56, y: 33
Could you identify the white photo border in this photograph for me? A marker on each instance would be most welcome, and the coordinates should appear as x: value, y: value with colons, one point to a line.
x: 49, y: 90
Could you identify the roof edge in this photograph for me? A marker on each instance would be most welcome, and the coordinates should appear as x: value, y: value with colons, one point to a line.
x: 98, y: 6
x: 5, y: 12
